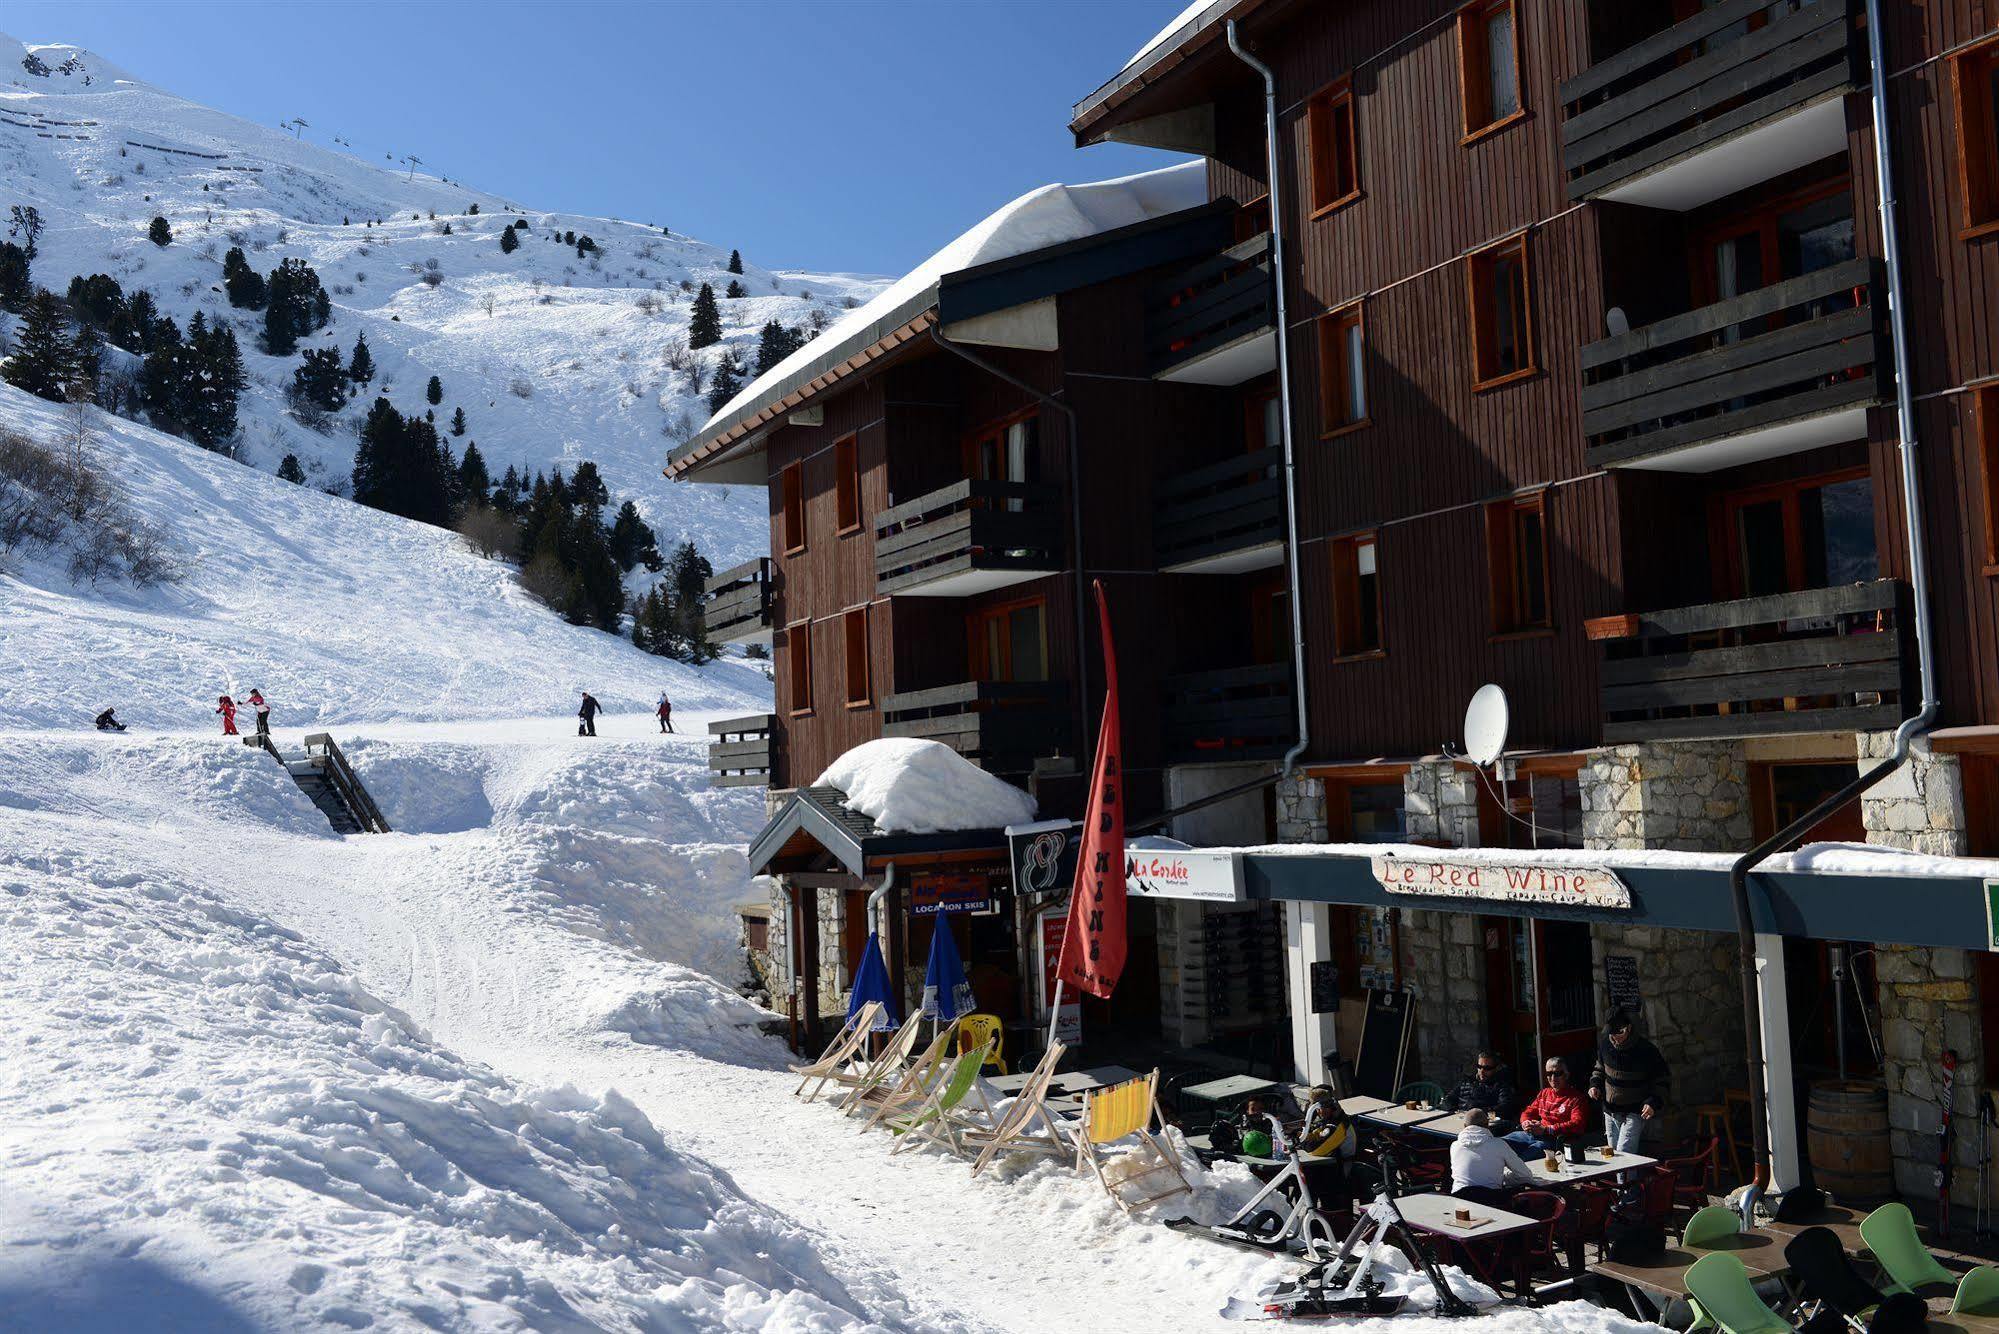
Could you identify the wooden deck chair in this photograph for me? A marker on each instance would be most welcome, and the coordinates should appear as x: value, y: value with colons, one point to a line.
x: 904, y: 1085
x: 867, y: 1071
x: 845, y: 1043
x: 1129, y: 1111
x: 953, y: 1108
x: 1028, y: 1126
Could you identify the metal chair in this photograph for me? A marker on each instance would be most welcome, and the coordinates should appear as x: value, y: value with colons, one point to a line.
x: 1698, y: 1174
x: 1548, y: 1208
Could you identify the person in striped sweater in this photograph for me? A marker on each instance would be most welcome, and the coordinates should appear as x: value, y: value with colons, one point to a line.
x: 1629, y: 1081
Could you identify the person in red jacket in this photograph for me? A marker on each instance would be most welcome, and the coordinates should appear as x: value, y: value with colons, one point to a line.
x: 227, y: 708
x: 1558, y: 1114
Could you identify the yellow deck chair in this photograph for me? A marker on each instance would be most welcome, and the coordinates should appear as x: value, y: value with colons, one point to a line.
x: 983, y: 1030
x: 1129, y: 1111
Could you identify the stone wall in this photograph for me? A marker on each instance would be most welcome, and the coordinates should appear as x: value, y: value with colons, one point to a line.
x: 1921, y: 805
x: 1691, y: 796
x: 1443, y: 967
x: 1440, y: 804
x: 1690, y: 1004
x: 1301, y: 810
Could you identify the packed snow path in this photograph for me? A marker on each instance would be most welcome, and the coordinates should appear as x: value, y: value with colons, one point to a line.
x: 557, y: 908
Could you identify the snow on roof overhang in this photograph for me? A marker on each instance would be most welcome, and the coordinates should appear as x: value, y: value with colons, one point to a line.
x: 819, y: 817
x: 1195, y: 29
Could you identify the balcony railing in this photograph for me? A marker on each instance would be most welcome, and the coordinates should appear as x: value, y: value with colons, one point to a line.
x: 1737, y: 370
x: 740, y: 754
x: 1825, y: 660
x: 1226, y: 517
x: 969, y: 537
x: 1003, y: 726
x: 737, y: 603
x: 1214, y: 322
x: 1702, y: 83
x: 1237, y: 713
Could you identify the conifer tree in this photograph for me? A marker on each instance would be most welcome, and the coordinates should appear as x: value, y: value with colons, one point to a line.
x: 244, y: 285
x: 704, y: 325
x: 726, y: 384
x: 42, y: 362
x: 15, y: 289
x: 159, y: 233
x: 280, y: 338
x: 735, y: 291
x: 162, y: 376
x: 210, y: 380
x: 458, y: 421
x: 735, y: 261
x: 434, y: 392
x: 775, y: 343
x: 632, y: 540
x: 319, y: 379
x: 687, y: 575
x: 509, y: 242
x: 289, y: 471
x: 473, y: 480
x: 361, y: 366
x: 586, y: 486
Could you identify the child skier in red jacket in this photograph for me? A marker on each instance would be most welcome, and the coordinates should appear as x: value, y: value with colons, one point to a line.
x: 227, y: 708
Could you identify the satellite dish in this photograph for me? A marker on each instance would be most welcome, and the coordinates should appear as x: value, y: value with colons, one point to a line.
x: 1617, y: 322
x: 1485, y: 725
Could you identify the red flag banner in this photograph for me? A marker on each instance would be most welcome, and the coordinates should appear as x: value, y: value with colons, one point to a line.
x: 1093, y: 944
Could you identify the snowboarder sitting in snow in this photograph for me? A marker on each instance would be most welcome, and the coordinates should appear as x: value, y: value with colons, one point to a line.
x: 107, y: 721
x: 588, y: 712
x: 256, y: 701
x: 227, y: 708
x: 665, y: 712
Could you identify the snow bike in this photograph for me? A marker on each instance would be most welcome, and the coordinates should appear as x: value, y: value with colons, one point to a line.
x: 1272, y: 1229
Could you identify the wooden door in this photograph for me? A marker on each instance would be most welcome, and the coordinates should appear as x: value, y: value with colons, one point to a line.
x: 1511, y: 1026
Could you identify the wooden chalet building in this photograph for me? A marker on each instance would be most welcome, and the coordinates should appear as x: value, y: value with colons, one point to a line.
x: 1592, y: 393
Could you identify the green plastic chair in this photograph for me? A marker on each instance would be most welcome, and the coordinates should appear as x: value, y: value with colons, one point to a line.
x: 1977, y: 1293
x: 1890, y: 1232
x: 1721, y: 1286
x: 1423, y: 1090
x: 1710, y: 1225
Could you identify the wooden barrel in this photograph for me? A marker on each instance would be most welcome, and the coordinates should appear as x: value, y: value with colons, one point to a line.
x: 1846, y: 1137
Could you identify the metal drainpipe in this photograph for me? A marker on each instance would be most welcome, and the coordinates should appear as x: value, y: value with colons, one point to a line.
x: 1916, y: 723
x: 1085, y: 738
x: 1277, y: 269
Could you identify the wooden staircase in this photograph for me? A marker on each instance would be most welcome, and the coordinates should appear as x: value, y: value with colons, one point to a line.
x: 329, y: 782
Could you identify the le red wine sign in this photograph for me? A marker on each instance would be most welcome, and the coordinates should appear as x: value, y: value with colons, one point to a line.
x: 1512, y: 882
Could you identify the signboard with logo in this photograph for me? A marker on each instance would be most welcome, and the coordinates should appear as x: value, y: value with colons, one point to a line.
x: 1202, y: 875
x: 931, y: 894
x: 1506, y: 882
x: 1042, y: 856
x: 1069, y: 1019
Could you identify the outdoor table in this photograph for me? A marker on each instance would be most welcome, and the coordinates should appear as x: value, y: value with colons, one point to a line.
x: 1217, y: 1091
x: 1363, y: 1103
x: 1398, y: 1117
x: 1665, y: 1277
x: 1009, y: 1085
x: 1594, y: 1167
x: 1449, y: 1125
x: 1433, y: 1214
x: 1946, y: 1323
x: 1103, y: 1076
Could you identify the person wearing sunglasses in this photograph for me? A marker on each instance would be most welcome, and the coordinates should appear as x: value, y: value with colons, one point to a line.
x: 1558, y: 1114
x: 1629, y: 1082
x: 1488, y: 1087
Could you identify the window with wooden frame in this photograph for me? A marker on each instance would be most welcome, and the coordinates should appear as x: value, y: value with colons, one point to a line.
x: 1342, y: 371
x: 1356, y: 597
x: 1985, y: 421
x: 791, y: 484
x: 1364, y: 803
x: 1329, y: 130
x: 847, y: 484
x: 1009, y: 642
x: 854, y: 634
x: 1974, y: 75
x: 1801, y: 533
x: 1516, y: 548
x: 1252, y: 219
x: 798, y: 666
x: 1489, y: 67
x: 1502, y: 313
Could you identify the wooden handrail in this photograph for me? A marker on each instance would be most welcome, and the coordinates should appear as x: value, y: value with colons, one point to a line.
x: 346, y: 782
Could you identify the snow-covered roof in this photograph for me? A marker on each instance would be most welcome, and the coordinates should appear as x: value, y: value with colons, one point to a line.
x: 1047, y: 216
x: 907, y: 785
x: 1184, y: 19
x: 1197, y: 21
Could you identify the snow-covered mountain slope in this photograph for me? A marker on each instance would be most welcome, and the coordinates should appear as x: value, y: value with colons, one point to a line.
x: 554, y: 358
x: 335, y: 611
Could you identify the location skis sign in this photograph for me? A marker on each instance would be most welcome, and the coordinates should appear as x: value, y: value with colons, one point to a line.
x: 1556, y: 886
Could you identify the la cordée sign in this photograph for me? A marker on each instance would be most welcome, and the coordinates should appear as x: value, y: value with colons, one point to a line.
x: 1508, y: 882
x: 1205, y: 877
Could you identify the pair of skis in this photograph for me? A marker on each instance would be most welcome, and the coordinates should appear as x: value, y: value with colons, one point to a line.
x: 1947, y: 1085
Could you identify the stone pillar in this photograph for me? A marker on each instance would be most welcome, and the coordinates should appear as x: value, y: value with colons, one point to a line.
x: 1443, y: 956
x: 1689, y: 796
x: 1301, y: 810
x: 1929, y: 997
x: 834, y: 977
x: 1440, y: 804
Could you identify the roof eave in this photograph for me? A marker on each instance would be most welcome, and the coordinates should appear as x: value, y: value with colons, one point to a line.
x: 1089, y: 116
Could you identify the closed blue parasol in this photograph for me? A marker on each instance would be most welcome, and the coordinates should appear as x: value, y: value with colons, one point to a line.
x: 871, y: 984
x: 946, y: 993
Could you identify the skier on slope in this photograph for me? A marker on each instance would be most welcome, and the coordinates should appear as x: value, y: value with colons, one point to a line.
x: 588, y: 712
x: 107, y: 721
x: 227, y: 708
x: 665, y: 712
x: 256, y: 701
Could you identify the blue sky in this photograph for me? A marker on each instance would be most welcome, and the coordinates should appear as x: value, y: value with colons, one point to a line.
x: 836, y: 136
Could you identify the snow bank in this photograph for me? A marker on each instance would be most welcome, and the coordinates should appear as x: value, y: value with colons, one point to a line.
x: 1045, y: 216
x: 337, y: 612
x: 910, y: 786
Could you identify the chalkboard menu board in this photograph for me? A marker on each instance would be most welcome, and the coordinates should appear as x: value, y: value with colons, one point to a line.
x: 1384, y: 1041
x: 1620, y: 979
x: 1325, y: 976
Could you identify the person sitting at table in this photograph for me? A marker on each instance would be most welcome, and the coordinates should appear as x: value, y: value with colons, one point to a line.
x: 1259, y: 1113
x: 1328, y: 1145
x: 1483, y: 1166
x: 1558, y: 1114
x: 1488, y: 1086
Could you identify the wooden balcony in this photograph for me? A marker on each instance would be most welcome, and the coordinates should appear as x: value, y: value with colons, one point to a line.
x: 1825, y: 660
x: 970, y: 537
x: 736, y: 605
x: 1215, y: 322
x: 1223, y: 518
x: 1712, y: 105
x: 740, y: 754
x: 1237, y: 713
x: 1002, y: 726
x: 1782, y: 369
